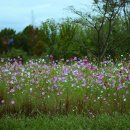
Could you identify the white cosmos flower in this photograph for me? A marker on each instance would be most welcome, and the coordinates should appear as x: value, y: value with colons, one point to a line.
x: 23, y: 69
x: 28, y: 73
x: 30, y: 89
x: 98, y: 97
x: 6, y: 70
x: 11, y: 82
x: 12, y: 102
x: 21, y: 74
x: 2, y: 101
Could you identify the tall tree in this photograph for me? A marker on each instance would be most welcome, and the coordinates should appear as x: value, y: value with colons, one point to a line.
x: 101, y: 21
x: 30, y: 35
x: 7, y: 38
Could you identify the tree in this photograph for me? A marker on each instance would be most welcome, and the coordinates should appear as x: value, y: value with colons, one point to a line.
x: 68, y: 39
x: 48, y: 34
x: 30, y: 36
x: 39, y: 48
x: 101, y: 22
x: 7, y: 39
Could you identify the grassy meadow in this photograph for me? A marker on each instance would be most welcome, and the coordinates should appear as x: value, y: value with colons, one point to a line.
x: 70, y: 122
x: 72, y: 89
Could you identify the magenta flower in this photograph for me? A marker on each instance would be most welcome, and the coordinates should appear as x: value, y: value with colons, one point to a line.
x: 119, y: 86
x: 128, y: 77
x: 100, y: 76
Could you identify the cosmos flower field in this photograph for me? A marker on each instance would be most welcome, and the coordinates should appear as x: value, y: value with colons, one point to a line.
x: 79, y: 87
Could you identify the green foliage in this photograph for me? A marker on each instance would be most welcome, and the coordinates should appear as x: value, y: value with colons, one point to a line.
x: 7, y: 33
x: 39, y: 48
x: 30, y: 35
x: 101, y: 22
x: 48, y: 34
x: 69, y: 45
x: 5, y: 36
x: 15, y: 53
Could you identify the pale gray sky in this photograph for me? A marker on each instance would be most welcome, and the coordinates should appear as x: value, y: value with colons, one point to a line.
x: 17, y: 14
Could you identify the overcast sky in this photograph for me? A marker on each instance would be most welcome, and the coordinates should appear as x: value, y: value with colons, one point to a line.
x: 17, y: 14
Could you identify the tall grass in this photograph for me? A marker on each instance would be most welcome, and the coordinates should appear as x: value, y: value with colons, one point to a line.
x: 79, y: 87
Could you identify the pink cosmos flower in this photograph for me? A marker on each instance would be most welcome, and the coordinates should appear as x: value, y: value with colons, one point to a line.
x: 127, y: 92
x: 119, y: 86
x: 43, y: 93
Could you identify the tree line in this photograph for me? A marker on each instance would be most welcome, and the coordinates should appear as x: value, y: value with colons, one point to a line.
x: 104, y: 32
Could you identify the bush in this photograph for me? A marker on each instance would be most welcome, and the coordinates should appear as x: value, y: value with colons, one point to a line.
x: 15, y: 53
